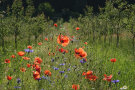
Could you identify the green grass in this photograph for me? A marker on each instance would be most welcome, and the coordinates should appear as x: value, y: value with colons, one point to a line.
x: 98, y: 60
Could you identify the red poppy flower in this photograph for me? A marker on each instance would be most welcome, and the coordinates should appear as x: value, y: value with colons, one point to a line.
x: 88, y: 74
x: 46, y: 39
x: 63, y: 40
x: 84, y: 73
x: 75, y: 87
x: 107, y: 78
x: 72, y: 36
x: 113, y: 60
x: 55, y: 25
x: 38, y: 68
x: 21, y: 53
x: 39, y: 43
x: 63, y: 50
x: 93, y: 78
x: 26, y: 58
x: 80, y: 53
x: 66, y: 51
x: 7, y: 61
x: 34, y: 65
x: 28, y: 65
x: 38, y: 60
x: 85, y: 43
x: 13, y: 56
x: 83, y: 54
x: 30, y: 47
x: 49, y: 53
x: 22, y: 69
x: 36, y: 75
x: 9, y: 77
x: 47, y: 72
x: 77, y: 28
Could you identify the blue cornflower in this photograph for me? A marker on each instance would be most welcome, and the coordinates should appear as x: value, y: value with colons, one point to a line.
x: 65, y: 76
x: 83, y: 60
x: 39, y: 79
x: 47, y: 78
x: 115, y: 81
x: 69, y: 69
x: 52, y: 59
x: 18, y: 80
x: 62, y: 64
x: 44, y: 77
x: 28, y: 50
x: 61, y: 72
x: 17, y: 87
x: 55, y: 68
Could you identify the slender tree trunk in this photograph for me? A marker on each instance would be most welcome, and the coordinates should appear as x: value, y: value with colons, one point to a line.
x: 105, y: 33
x: 2, y: 38
x: 93, y: 36
x: 99, y: 36
x: 16, y: 33
x: 2, y: 42
x: 117, y: 44
x: 132, y: 31
x: 3, y: 45
x: 16, y: 39
x: 89, y: 34
x: 93, y: 31
x: 42, y: 36
x: 105, y: 38
x: 110, y: 39
x: 29, y: 42
x: 133, y: 42
x: 36, y: 39
x: 117, y: 38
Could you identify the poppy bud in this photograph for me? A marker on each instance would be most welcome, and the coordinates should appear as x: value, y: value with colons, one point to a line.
x: 9, y: 77
x: 113, y: 60
x: 21, y: 53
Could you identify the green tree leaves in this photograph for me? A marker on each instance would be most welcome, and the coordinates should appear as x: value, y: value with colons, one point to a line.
x: 17, y: 8
x: 46, y: 8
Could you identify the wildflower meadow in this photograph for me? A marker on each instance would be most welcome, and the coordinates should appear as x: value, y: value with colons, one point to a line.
x: 90, y: 52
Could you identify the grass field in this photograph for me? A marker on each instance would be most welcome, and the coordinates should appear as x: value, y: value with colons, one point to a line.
x: 66, y: 70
